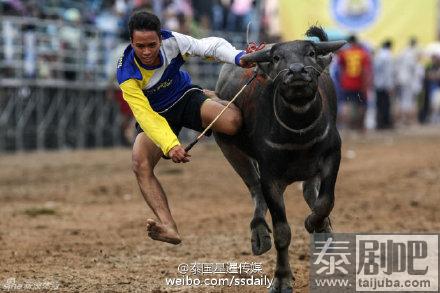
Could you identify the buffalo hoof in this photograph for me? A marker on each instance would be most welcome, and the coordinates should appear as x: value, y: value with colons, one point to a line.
x: 325, y: 227
x: 281, y: 285
x: 260, y: 239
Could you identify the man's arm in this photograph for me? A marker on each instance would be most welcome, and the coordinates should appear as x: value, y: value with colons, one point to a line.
x: 211, y: 47
x: 154, y: 125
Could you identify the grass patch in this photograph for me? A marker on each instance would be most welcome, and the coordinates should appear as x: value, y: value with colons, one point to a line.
x: 35, y: 212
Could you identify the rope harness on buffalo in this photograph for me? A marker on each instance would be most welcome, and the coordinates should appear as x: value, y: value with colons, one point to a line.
x: 279, y: 72
x: 278, y: 119
x: 252, y: 47
x: 285, y: 126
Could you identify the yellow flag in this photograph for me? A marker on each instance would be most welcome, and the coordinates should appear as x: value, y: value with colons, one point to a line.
x: 372, y: 20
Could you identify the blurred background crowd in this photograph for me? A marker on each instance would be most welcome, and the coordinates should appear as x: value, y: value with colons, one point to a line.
x: 382, y: 90
x: 52, y: 48
x: 97, y: 27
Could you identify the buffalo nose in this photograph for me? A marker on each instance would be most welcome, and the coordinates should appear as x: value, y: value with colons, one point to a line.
x: 297, y: 68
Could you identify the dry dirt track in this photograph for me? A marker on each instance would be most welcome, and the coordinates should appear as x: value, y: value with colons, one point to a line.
x: 77, y: 218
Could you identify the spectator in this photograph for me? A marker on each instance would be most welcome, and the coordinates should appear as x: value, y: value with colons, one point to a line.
x: 203, y: 12
x: 92, y: 55
x: 108, y: 23
x: 156, y: 6
x: 12, y: 7
x: 270, y: 21
x: 44, y: 70
x: 220, y: 11
x: 9, y: 32
x: 384, y: 85
x: 431, y: 83
x: 70, y: 35
x: 239, y: 15
x: 30, y: 54
x: 355, y: 79
x: 409, y: 73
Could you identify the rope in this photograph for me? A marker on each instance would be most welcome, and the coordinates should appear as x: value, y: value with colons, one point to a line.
x: 285, y: 126
x: 313, y: 67
x: 253, y: 47
x: 218, y: 116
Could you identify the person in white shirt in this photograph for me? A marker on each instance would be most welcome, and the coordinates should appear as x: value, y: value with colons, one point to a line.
x: 409, y: 79
x: 384, y: 85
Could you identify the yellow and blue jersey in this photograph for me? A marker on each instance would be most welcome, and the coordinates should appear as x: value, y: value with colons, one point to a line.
x: 149, y: 90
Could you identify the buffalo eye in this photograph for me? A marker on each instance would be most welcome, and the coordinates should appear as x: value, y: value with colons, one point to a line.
x: 276, y: 58
x: 312, y: 54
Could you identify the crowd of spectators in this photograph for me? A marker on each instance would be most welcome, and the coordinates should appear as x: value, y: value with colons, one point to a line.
x: 65, y: 41
x: 80, y: 35
x: 112, y: 15
x: 395, y: 88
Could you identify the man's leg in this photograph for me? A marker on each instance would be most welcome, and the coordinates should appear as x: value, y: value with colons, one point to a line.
x: 380, y: 110
x: 229, y: 122
x: 362, y: 111
x: 145, y: 157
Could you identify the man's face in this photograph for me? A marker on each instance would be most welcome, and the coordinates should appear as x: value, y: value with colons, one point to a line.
x: 146, y: 45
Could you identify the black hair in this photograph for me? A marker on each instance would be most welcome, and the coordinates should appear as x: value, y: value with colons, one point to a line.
x: 352, y: 39
x: 143, y: 21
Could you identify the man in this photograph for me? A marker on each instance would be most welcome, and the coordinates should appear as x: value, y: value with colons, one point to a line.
x: 355, y: 78
x: 409, y: 79
x: 163, y: 100
x: 431, y: 83
x: 384, y: 84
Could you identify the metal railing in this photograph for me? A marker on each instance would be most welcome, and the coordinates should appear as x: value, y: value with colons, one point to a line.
x: 56, y: 81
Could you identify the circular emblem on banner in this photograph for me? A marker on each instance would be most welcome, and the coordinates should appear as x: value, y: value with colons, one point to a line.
x: 355, y: 14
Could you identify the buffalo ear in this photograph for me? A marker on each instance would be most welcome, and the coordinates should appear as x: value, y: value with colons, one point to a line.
x: 325, y: 60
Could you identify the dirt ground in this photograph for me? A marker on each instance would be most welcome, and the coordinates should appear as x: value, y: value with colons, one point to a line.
x: 77, y: 219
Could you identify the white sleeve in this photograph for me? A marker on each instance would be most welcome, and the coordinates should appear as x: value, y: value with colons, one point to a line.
x: 211, y: 47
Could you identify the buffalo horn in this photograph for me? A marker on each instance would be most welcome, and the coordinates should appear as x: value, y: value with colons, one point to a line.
x: 324, y: 48
x: 259, y: 56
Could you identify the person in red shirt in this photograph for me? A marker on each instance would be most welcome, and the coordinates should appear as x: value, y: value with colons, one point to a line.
x: 355, y: 79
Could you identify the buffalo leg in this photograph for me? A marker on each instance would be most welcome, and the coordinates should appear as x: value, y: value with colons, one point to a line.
x: 273, y: 194
x: 311, y: 189
x: 246, y: 168
x: 318, y: 220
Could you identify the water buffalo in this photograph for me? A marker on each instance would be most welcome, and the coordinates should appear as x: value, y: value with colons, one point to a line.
x: 289, y: 134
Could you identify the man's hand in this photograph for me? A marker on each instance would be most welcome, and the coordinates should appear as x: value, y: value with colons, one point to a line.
x: 179, y: 155
x: 251, y: 48
x: 245, y: 64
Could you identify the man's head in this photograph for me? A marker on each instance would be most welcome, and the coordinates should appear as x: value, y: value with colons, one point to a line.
x: 387, y: 44
x: 144, y: 29
x: 352, y: 39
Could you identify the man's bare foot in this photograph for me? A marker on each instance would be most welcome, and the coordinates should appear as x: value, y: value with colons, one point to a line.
x: 161, y: 232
